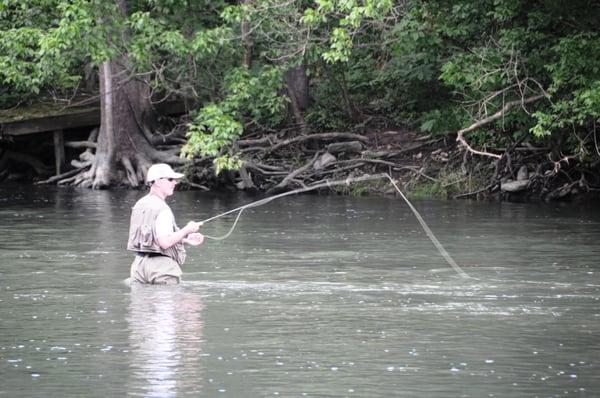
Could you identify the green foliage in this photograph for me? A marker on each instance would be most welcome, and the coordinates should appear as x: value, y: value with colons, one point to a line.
x: 45, y: 44
x: 439, y: 122
x: 227, y: 163
x: 341, y: 46
x: 491, y: 52
x: 349, y: 16
x: 18, y: 66
x: 439, y: 65
x: 428, y: 190
x: 210, y: 131
x: 15, y: 14
x: 151, y: 36
x: 575, y: 86
x: 154, y: 40
x: 575, y: 61
x: 324, y: 118
x: 256, y: 93
x: 217, y: 125
x: 446, y: 184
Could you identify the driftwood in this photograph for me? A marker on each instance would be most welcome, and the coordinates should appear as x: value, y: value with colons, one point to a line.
x: 514, y: 186
x: 321, y: 136
x: 67, y: 174
x: 347, y: 147
x: 265, y: 169
x: 198, y: 186
x: 352, y: 154
x: 324, y: 160
x: 391, y: 154
x: 246, y: 182
x: 273, y: 162
x: 344, y: 154
x: 291, y: 176
x: 267, y: 140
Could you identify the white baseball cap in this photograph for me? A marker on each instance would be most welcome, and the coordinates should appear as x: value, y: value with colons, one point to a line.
x: 161, y: 170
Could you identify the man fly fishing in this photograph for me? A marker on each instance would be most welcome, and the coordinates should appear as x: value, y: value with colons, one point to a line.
x: 158, y: 242
x: 154, y: 235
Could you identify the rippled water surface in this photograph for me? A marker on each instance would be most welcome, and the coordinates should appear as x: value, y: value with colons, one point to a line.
x: 310, y: 296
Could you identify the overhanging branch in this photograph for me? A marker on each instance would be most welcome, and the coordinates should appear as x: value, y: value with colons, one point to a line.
x: 508, y: 106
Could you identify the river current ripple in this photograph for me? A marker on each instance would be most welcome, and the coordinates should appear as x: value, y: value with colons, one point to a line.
x: 317, y: 296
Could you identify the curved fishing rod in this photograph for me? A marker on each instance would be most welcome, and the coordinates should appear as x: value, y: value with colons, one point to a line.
x: 347, y: 181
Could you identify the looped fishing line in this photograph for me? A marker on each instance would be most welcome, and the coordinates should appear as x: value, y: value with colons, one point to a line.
x: 347, y: 181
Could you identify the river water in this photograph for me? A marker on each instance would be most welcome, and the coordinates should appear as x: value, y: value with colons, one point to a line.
x: 317, y: 296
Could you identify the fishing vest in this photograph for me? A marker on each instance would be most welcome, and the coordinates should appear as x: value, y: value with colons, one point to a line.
x: 142, y: 229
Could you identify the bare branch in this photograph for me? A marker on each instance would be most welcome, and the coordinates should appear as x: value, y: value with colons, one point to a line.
x: 460, y: 135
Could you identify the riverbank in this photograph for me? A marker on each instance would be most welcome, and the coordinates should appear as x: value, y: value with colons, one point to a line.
x: 426, y: 166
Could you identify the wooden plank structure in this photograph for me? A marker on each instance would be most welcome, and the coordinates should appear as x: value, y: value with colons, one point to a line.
x: 57, y: 119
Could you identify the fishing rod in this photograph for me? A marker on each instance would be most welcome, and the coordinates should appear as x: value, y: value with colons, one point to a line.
x: 329, y: 184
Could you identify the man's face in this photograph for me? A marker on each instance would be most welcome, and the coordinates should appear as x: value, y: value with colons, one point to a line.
x: 166, y: 185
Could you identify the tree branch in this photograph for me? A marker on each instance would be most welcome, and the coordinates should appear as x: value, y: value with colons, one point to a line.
x: 509, y: 105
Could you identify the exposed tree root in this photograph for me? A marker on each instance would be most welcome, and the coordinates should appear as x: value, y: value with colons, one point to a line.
x: 272, y: 164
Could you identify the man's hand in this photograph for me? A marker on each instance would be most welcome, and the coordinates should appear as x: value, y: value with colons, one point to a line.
x: 192, y: 226
x: 194, y: 239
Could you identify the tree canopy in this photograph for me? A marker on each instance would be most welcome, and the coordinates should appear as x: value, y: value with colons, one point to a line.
x: 495, y: 72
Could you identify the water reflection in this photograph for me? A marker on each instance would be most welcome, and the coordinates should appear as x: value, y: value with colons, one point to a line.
x: 165, y: 334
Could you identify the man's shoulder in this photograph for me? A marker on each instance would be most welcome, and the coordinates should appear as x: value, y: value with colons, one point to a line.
x: 151, y: 201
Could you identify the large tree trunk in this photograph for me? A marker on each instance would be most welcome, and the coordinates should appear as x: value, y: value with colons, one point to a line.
x: 124, y: 152
x: 297, y: 85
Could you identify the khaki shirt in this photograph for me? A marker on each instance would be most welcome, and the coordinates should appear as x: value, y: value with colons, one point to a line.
x: 142, y: 229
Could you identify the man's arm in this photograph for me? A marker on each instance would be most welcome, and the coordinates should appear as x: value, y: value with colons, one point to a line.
x: 164, y: 223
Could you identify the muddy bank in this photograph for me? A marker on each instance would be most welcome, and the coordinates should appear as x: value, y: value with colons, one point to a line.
x: 425, y: 166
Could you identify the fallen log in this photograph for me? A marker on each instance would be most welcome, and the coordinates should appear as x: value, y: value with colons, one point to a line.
x: 67, y: 174
x: 320, y: 136
x: 514, y: 186
x: 268, y: 140
x: 80, y: 144
x: 347, y: 147
x: 391, y: 154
